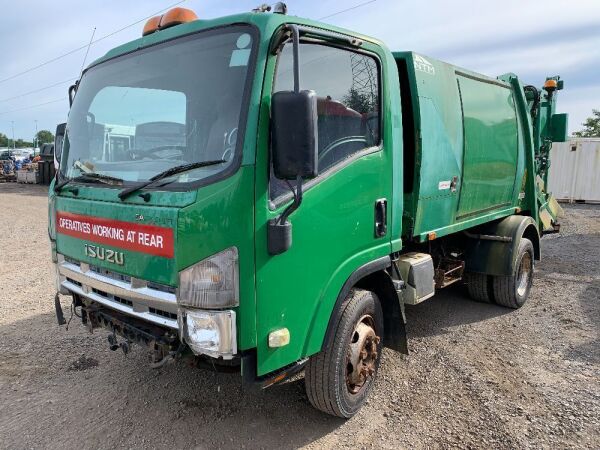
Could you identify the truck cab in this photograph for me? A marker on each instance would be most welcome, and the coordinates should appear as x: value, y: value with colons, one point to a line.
x: 252, y: 191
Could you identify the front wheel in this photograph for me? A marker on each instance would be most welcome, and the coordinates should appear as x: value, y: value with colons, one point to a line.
x: 339, y: 379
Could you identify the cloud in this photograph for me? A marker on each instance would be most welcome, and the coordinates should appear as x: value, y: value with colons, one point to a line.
x: 529, y: 38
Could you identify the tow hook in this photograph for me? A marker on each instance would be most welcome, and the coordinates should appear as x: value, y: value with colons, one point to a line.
x: 116, y: 345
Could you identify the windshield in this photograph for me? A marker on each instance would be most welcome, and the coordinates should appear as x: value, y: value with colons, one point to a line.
x: 176, y: 103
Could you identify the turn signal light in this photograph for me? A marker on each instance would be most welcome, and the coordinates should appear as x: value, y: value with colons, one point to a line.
x: 169, y: 19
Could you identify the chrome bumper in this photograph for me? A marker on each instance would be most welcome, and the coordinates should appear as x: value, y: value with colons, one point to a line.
x: 132, y: 297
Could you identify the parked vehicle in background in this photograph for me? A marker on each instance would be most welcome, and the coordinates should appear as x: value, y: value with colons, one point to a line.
x: 46, y: 166
x: 266, y: 193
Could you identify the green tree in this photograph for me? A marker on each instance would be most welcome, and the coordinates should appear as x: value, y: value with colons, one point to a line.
x: 44, y: 137
x: 359, y: 101
x: 3, y: 140
x: 591, y: 126
x: 20, y: 143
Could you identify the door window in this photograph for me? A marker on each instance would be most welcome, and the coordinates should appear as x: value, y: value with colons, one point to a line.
x: 347, y: 88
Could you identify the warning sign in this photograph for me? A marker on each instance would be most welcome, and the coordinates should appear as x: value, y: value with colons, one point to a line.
x: 150, y: 239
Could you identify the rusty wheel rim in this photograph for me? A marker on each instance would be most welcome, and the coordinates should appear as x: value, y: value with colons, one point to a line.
x: 361, y: 357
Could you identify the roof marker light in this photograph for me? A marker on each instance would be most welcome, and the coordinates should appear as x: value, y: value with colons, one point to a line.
x: 151, y: 25
x: 169, y: 19
x: 177, y: 16
x: 550, y: 84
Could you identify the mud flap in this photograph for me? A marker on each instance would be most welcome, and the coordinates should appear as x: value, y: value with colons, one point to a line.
x: 60, y: 317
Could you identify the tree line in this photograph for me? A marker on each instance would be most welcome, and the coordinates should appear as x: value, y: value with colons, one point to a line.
x: 591, y: 127
x: 42, y: 137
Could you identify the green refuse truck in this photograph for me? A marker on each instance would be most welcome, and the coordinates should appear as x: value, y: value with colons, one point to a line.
x: 265, y: 194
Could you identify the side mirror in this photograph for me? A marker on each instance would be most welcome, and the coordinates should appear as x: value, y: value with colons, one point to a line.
x: 59, y: 138
x: 294, y: 134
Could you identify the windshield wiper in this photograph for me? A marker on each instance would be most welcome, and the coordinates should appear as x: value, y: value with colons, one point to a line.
x: 167, y: 173
x: 106, y: 179
x: 88, y: 176
x: 58, y: 186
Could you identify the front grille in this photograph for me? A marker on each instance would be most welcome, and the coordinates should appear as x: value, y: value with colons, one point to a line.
x: 124, y: 301
x: 70, y: 280
x: 99, y: 292
x: 166, y: 314
x: 71, y: 261
x: 161, y: 287
x: 110, y: 274
x: 145, y: 300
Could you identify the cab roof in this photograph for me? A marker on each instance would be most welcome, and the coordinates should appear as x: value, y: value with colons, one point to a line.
x: 266, y: 23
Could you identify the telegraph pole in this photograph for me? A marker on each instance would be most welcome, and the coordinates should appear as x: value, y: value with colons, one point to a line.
x: 12, y: 122
x: 35, y: 138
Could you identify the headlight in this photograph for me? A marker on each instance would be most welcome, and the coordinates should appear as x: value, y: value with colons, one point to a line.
x: 211, y: 333
x: 211, y: 283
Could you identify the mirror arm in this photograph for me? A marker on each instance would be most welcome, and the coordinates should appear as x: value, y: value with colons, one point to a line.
x: 295, y: 204
x: 72, y: 92
x: 296, y: 49
x: 298, y: 194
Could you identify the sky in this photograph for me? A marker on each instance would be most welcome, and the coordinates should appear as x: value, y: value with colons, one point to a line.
x: 533, y: 39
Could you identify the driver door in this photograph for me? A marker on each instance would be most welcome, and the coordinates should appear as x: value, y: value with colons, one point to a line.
x: 333, y: 231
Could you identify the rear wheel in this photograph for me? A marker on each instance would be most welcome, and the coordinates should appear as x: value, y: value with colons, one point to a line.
x: 478, y: 287
x: 512, y: 291
x: 339, y: 379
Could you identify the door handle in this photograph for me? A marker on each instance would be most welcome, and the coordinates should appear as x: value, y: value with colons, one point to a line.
x: 380, y: 217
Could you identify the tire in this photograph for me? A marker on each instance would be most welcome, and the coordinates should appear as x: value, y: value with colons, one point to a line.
x: 327, y: 380
x: 478, y: 287
x: 513, y: 290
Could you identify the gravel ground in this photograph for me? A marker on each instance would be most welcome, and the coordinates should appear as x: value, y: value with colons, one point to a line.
x: 479, y: 376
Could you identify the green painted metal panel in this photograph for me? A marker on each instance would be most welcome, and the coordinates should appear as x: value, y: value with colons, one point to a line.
x: 490, y: 148
x: 333, y: 234
x: 222, y: 217
x: 153, y: 268
x: 457, y: 182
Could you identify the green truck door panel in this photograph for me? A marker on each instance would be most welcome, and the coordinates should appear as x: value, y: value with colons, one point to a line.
x: 333, y: 234
x: 490, y: 146
x: 334, y: 228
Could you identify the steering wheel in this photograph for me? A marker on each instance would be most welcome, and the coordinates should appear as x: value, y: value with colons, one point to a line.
x: 342, y: 141
x: 151, y: 152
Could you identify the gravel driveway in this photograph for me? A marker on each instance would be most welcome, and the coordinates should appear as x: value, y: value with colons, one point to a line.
x: 479, y: 376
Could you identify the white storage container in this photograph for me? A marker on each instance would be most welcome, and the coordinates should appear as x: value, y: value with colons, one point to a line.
x: 575, y: 170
